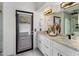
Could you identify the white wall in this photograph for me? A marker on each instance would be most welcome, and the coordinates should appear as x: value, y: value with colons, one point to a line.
x: 1, y: 31
x: 36, y: 20
x: 46, y: 19
x: 9, y: 25
x: 25, y: 6
x: 9, y: 28
x: 54, y: 5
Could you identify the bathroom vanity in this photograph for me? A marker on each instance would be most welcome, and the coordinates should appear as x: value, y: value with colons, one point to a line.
x: 62, y: 45
x: 57, y: 46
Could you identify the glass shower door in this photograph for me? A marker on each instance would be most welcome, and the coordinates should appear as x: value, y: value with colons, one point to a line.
x: 24, y: 40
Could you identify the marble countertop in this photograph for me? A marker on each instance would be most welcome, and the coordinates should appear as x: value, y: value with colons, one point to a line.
x: 73, y: 43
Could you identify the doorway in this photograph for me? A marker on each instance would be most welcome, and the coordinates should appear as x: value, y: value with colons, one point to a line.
x: 24, y: 31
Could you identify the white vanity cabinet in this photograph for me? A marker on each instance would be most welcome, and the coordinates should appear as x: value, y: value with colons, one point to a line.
x: 44, y: 44
x: 56, y: 49
x: 53, y: 47
x: 56, y: 52
x: 69, y: 51
x: 62, y: 50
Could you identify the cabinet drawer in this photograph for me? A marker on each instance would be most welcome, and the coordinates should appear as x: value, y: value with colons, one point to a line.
x: 40, y: 46
x: 56, y: 45
x: 69, y: 51
x: 44, y: 40
x: 66, y: 50
x: 47, y: 50
x: 55, y: 52
x: 44, y: 48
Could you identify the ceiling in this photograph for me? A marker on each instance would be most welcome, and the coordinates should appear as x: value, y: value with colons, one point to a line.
x: 38, y: 5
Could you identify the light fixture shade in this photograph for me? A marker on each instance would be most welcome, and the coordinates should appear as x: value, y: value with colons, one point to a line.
x: 67, y: 4
x: 48, y: 11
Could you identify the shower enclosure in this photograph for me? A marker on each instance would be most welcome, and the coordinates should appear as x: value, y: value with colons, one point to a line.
x: 24, y: 31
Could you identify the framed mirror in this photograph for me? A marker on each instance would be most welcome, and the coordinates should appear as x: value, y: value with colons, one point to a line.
x: 57, y: 20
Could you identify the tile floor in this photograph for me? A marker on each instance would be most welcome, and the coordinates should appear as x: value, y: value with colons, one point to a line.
x: 35, y: 52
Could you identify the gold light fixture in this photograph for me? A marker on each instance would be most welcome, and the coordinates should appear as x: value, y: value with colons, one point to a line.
x: 48, y: 11
x: 67, y: 4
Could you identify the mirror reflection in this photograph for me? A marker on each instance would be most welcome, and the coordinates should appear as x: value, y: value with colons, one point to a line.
x: 71, y: 20
x: 68, y: 20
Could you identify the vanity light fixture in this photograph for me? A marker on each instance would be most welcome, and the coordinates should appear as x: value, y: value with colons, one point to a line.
x: 67, y: 4
x: 48, y: 11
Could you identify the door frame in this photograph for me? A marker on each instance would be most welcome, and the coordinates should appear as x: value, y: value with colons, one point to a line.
x: 17, y: 30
